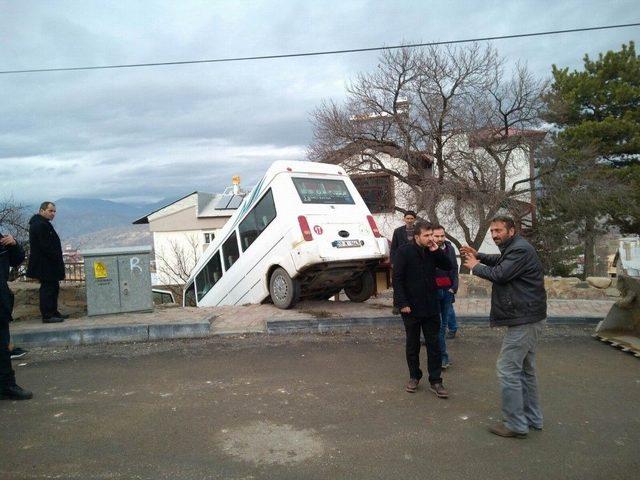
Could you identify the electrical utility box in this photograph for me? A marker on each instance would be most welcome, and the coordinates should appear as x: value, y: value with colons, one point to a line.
x: 118, y: 280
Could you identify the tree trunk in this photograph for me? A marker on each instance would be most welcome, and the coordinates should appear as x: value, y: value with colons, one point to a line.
x: 589, y: 247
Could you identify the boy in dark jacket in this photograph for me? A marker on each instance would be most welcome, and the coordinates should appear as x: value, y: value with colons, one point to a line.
x: 447, y: 282
x: 11, y: 255
x: 415, y: 294
x: 519, y: 302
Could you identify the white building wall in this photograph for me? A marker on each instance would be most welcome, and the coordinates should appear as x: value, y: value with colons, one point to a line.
x: 517, y: 169
x: 177, y: 248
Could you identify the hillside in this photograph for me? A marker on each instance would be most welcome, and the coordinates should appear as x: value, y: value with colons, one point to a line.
x: 95, y: 223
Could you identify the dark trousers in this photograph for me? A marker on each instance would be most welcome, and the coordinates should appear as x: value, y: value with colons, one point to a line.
x: 7, y: 375
x: 430, y: 327
x: 49, y: 298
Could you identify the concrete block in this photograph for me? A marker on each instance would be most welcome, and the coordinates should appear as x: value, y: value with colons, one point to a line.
x: 179, y: 330
x: 473, y: 319
x: 48, y: 337
x: 305, y: 325
x: 559, y: 320
x: 115, y: 333
x: 346, y: 324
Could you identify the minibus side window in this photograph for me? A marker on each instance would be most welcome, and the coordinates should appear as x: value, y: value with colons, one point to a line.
x: 230, y: 251
x: 190, y: 296
x: 257, y: 220
x: 209, y: 275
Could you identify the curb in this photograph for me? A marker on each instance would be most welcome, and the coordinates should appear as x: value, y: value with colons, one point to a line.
x: 323, y: 325
x: 114, y: 334
x: 202, y: 328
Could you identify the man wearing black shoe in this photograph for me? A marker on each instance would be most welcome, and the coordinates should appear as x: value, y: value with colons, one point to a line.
x: 415, y: 294
x: 45, y: 261
x: 11, y: 255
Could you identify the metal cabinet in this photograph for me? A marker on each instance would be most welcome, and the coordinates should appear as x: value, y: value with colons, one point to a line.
x: 118, y: 280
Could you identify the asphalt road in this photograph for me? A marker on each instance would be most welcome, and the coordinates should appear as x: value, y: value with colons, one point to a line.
x: 313, y: 407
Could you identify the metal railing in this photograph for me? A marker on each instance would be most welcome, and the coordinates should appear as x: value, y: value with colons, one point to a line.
x: 74, y: 272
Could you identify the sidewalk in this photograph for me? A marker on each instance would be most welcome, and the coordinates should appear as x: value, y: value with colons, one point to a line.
x: 321, y: 316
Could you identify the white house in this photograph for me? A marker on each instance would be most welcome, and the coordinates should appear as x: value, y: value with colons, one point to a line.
x: 183, y: 229
x: 382, y: 191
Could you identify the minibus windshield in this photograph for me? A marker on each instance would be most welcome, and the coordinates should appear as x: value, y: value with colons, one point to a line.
x: 325, y: 191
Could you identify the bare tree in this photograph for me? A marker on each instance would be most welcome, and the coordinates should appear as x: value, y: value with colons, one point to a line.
x: 458, y: 125
x: 176, y: 262
x: 13, y: 219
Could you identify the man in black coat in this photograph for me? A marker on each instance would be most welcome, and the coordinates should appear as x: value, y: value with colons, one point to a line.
x: 403, y: 234
x: 11, y: 255
x: 519, y: 302
x: 415, y: 294
x: 45, y: 261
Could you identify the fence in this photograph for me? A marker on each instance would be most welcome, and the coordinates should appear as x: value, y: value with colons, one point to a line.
x: 73, y: 272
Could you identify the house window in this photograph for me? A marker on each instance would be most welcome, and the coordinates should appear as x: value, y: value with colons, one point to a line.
x: 208, y: 237
x: 257, y: 220
x: 376, y: 191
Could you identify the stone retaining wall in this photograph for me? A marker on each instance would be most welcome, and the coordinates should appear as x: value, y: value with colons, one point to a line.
x: 72, y: 298
x: 557, y: 287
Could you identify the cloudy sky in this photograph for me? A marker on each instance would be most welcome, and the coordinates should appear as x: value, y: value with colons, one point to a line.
x: 142, y: 134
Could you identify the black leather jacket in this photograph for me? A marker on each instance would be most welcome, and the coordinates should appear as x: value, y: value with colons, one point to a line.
x: 517, y: 295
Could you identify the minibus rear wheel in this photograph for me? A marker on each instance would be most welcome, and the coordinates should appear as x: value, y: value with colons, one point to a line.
x: 362, y: 289
x: 283, y: 289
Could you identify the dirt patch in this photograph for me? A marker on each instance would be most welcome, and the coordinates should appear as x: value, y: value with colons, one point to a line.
x: 266, y: 443
x: 318, y: 313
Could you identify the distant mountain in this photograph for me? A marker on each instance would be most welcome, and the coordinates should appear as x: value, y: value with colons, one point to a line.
x: 93, y: 222
x: 123, y: 236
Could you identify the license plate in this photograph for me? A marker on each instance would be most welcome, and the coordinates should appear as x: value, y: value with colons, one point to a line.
x: 346, y: 243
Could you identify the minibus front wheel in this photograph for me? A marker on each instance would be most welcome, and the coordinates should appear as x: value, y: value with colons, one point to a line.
x: 284, y: 290
x: 362, y: 289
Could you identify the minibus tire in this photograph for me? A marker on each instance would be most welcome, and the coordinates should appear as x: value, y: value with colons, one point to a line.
x: 362, y: 290
x: 283, y: 289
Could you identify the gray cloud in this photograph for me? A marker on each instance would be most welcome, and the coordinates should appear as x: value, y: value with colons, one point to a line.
x: 162, y: 131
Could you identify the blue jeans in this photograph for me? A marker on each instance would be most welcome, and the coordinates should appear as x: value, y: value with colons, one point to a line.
x: 445, y: 299
x: 517, y: 373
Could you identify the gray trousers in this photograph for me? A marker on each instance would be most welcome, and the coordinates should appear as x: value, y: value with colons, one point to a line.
x: 517, y: 374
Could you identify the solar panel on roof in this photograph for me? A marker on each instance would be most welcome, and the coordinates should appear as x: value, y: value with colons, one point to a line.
x: 223, y: 201
x: 235, y: 202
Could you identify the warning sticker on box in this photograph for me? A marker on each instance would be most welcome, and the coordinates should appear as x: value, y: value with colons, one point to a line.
x: 100, y: 270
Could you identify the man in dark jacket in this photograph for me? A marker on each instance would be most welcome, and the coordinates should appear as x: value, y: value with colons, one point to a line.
x: 415, y: 294
x: 11, y: 255
x: 519, y: 302
x: 447, y: 283
x: 45, y: 261
x: 403, y: 234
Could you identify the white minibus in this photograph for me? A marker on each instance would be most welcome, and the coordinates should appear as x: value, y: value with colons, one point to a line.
x: 303, y: 232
